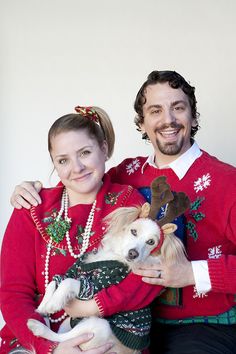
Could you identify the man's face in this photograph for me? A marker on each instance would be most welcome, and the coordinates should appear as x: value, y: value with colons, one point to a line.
x: 167, y: 121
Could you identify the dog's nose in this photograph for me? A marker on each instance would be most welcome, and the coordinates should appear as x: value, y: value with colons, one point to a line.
x: 133, y: 253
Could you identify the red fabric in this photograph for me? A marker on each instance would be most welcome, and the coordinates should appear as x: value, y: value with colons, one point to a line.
x: 23, y: 259
x: 213, y: 183
x: 131, y: 294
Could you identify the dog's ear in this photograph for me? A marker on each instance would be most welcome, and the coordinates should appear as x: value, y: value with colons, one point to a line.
x: 172, y: 250
x: 169, y: 228
x: 118, y: 219
x: 145, y: 209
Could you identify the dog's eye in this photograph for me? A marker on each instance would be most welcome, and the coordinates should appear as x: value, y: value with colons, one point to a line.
x: 150, y: 242
x: 133, y: 232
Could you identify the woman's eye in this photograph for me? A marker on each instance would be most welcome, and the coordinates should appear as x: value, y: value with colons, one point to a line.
x: 62, y: 161
x: 85, y: 153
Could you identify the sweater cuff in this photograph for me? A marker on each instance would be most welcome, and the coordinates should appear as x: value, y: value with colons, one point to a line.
x: 52, y: 347
x: 99, y: 305
x: 216, y: 272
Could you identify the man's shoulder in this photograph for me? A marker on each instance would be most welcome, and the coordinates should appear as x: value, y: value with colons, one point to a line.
x: 127, y: 169
x: 216, y: 162
x: 131, y: 163
x: 220, y: 169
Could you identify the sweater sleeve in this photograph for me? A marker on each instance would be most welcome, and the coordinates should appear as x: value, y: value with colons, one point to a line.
x: 222, y: 270
x: 18, y: 281
x: 129, y: 295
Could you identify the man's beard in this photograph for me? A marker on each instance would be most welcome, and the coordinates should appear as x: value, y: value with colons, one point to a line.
x: 170, y: 148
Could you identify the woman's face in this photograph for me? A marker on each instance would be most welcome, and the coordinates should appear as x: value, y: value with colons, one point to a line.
x: 80, y: 164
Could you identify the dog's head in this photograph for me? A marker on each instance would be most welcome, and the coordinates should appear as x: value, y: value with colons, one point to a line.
x: 131, y: 238
x: 139, y: 239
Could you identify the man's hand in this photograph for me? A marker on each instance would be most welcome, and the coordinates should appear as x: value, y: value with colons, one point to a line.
x: 71, y: 346
x: 174, y: 276
x: 26, y: 194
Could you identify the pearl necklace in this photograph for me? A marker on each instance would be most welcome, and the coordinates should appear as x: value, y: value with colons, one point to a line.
x: 85, y: 243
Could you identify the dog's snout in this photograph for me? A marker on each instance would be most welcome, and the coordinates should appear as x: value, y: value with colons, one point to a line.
x: 133, y: 253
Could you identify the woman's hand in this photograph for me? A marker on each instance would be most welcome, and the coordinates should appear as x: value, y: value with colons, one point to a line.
x: 26, y: 194
x: 174, y: 276
x: 82, y: 308
x: 71, y: 346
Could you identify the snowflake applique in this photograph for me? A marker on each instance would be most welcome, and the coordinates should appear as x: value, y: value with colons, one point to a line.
x: 215, y: 252
x: 197, y: 294
x: 133, y: 166
x: 202, y: 182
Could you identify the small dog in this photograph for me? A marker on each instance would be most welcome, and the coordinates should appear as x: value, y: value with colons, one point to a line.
x: 129, y: 240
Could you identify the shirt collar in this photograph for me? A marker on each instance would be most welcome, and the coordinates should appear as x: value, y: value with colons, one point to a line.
x: 181, y: 165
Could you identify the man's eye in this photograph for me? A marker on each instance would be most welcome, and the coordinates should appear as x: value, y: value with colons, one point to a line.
x: 156, y: 111
x: 134, y: 232
x: 179, y: 108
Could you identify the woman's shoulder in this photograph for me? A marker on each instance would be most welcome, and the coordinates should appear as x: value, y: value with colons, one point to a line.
x: 125, y: 192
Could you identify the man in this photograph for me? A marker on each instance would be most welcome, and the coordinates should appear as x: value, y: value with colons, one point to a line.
x: 196, y: 313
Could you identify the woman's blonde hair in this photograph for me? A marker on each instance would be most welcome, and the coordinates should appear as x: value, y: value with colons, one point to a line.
x: 100, y: 128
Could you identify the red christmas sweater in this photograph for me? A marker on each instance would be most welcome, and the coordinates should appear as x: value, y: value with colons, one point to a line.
x: 210, y: 232
x: 23, y: 262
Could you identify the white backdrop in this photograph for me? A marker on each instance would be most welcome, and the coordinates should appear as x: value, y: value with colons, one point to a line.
x: 56, y: 54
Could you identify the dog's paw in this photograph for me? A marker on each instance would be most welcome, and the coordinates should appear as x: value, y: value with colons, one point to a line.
x: 66, y: 291
x: 42, y: 309
x: 51, y: 288
x: 36, y: 327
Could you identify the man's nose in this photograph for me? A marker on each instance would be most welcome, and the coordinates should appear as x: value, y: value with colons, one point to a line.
x: 169, y: 116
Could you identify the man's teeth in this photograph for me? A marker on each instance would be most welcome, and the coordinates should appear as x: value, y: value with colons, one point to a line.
x: 169, y: 132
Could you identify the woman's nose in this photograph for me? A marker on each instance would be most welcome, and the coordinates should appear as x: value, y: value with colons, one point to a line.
x: 78, y: 165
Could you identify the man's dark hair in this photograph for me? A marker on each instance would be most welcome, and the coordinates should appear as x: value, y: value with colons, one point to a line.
x: 175, y: 81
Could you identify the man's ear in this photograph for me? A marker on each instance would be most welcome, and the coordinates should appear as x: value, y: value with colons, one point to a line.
x: 142, y: 129
x: 169, y: 228
x: 194, y: 122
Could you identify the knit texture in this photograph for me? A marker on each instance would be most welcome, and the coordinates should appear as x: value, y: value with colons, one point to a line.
x: 130, y: 327
x: 23, y: 261
x: 209, y: 233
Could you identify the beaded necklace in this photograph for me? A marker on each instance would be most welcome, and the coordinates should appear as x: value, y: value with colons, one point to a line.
x: 85, y: 243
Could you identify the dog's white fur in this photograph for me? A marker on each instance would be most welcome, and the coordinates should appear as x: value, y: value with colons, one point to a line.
x: 130, y: 240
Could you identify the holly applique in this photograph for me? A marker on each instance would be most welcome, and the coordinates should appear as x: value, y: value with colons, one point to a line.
x: 80, y: 234
x: 111, y: 198
x: 196, y: 215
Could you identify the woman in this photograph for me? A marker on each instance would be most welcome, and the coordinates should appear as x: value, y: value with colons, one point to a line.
x: 47, y: 239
